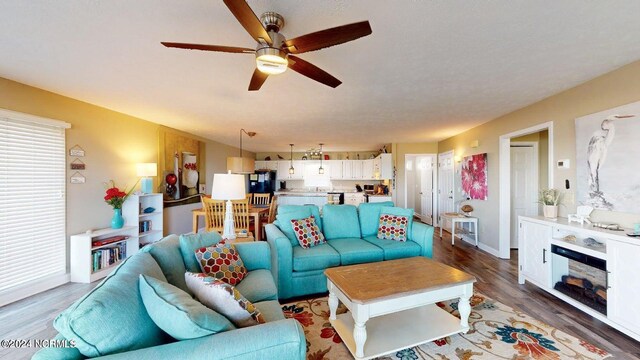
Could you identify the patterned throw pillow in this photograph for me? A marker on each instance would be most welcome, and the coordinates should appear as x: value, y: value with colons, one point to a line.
x: 223, y: 298
x: 393, y: 227
x: 307, y: 232
x: 222, y: 262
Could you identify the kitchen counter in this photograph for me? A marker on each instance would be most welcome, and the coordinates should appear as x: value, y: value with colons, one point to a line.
x: 310, y: 193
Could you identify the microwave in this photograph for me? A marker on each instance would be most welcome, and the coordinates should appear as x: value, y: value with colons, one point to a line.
x: 368, y: 189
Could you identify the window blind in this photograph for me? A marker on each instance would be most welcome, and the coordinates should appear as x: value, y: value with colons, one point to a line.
x: 32, y: 201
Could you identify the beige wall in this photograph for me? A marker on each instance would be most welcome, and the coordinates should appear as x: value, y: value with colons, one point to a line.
x: 398, y: 151
x: 616, y: 88
x: 113, y: 142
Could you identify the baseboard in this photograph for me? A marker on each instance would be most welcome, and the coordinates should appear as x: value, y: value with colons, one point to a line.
x: 23, y: 291
x: 481, y: 246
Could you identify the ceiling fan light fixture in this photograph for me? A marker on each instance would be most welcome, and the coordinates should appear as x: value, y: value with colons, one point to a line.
x: 271, y: 61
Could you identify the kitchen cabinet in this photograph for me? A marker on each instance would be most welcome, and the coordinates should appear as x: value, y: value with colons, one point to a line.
x: 534, y: 253
x: 351, y: 169
x: 283, y: 170
x: 353, y: 198
x: 622, y: 296
x: 379, y: 198
x: 334, y: 169
x: 385, y: 166
x: 367, y: 170
x: 267, y: 165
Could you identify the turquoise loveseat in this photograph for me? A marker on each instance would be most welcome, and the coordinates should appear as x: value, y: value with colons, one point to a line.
x: 111, y: 322
x: 351, y: 235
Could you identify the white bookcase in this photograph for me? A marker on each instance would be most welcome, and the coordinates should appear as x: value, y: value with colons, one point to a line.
x: 134, y: 215
x: 82, y: 250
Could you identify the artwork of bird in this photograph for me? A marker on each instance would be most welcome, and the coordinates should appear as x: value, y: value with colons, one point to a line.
x: 280, y: 157
x: 597, y: 154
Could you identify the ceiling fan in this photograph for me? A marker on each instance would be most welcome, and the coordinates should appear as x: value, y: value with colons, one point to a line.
x: 274, y: 52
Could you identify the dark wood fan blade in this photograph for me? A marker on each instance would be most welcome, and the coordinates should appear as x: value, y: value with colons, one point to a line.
x: 228, y: 49
x: 311, y: 71
x: 329, y: 37
x: 248, y: 19
x: 257, y: 80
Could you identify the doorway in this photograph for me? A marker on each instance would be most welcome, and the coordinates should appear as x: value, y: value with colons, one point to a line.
x: 445, y: 184
x: 420, y: 184
x: 524, y: 183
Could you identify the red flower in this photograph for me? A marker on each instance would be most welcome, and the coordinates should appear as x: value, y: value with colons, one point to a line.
x: 328, y: 332
x: 593, y: 348
x: 440, y: 342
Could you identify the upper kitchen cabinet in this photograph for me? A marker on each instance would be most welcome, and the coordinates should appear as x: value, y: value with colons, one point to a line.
x: 383, y: 167
x: 267, y: 165
x: 335, y: 169
x: 367, y: 170
x: 283, y: 170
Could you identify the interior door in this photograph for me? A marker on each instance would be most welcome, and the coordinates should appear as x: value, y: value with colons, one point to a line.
x: 524, y: 186
x: 425, y: 169
x: 445, y: 184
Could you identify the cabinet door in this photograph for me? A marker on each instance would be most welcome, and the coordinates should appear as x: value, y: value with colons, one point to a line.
x: 624, y: 291
x: 282, y: 172
x: 335, y: 167
x: 261, y: 165
x: 367, y: 170
x: 534, y: 253
x: 272, y: 165
x: 356, y: 168
x: 347, y: 169
x: 386, y: 166
x: 299, y: 166
x: 376, y: 168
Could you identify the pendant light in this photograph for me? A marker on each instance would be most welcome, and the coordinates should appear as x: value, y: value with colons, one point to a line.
x: 321, y: 169
x: 241, y: 164
x: 291, y: 169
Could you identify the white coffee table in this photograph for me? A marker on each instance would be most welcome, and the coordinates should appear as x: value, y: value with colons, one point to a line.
x: 392, y: 304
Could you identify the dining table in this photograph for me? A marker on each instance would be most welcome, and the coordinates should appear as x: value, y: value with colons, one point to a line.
x: 254, y: 210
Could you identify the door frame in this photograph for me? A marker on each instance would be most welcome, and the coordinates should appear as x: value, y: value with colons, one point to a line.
x: 536, y: 161
x: 435, y: 176
x: 504, y: 155
x: 453, y: 174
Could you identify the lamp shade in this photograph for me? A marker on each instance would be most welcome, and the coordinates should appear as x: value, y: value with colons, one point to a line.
x: 241, y: 165
x: 228, y: 187
x: 147, y: 169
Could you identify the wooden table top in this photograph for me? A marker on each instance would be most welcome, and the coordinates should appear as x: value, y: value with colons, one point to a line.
x: 365, y: 283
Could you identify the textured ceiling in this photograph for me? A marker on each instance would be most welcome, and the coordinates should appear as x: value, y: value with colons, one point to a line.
x: 431, y: 69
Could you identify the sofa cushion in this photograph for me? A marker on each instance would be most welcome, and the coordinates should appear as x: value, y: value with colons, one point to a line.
x: 112, y: 318
x: 224, y: 298
x: 315, y: 211
x: 395, y: 249
x: 307, y: 232
x: 340, y: 221
x: 400, y: 212
x: 356, y: 251
x: 222, y: 262
x: 179, y: 315
x: 271, y: 310
x: 258, y: 285
x: 166, y: 252
x: 393, y: 227
x: 316, y: 258
x: 369, y: 214
x: 284, y: 221
x: 191, y: 242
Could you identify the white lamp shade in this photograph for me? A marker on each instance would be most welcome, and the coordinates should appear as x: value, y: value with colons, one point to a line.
x: 147, y: 169
x: 228, y: 187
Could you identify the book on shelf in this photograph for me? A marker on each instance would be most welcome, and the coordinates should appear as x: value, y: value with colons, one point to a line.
x: 108, y: 256
x: 109, y: 240
x: 144, y: 226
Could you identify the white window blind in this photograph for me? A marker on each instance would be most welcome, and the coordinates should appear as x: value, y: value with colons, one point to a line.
x: 32, y: 201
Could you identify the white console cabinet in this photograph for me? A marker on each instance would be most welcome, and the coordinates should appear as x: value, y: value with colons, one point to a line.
x: 542, y: 263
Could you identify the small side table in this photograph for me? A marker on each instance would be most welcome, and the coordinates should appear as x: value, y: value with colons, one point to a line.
x: 461, y: 219
x: 248, y: 238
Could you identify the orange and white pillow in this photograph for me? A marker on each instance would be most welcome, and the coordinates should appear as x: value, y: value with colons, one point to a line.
x: 307, y: 232
x: 223, y: 298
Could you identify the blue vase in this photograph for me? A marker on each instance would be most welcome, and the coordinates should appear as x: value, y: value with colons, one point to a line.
x: 117, y: 221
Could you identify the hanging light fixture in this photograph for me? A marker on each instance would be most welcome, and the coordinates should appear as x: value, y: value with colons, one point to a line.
x: 291, y: 169
x: 321, y: 169
x: 241, y: 165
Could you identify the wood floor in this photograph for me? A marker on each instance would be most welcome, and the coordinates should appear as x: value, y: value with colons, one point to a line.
x: 32, y: 318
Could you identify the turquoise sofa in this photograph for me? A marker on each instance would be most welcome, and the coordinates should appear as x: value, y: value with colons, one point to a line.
x: 351, y: 235
x: 111, y: 321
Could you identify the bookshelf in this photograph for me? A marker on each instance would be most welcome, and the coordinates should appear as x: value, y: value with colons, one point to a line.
x: 87, y: 257
x: 150, y: 225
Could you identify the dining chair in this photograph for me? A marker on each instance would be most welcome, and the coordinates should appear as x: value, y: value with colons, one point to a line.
x: 250, y: 198
x: 273, y: 208
x: 261, y: 199
x: 213, y: 214
x: 241, y: 215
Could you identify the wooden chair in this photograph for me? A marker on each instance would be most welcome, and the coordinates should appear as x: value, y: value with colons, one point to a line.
x: 213, y: 214
x: 261, y: 199
x: 273, y: 208
x: 250, y: 198
x: 241, y: 215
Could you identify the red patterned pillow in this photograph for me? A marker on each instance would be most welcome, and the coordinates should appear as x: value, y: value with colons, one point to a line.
x: 393, y: 227
x: 222, y: 262
x: 307, y: 232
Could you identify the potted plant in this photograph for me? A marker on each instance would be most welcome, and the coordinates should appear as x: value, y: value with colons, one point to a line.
x: 550, y: 199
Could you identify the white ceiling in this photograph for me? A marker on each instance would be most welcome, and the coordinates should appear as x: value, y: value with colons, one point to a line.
x: 431, y: 69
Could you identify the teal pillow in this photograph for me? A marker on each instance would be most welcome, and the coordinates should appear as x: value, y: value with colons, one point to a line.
x: 284, y: 218
x: 175, y: 312
x: 400, y: 212
x: 167, y: 255
x: 370, y: 217
x: 189, y: 243
x: 340, y: 221
x: 112, y: 318
x: 315, y: 211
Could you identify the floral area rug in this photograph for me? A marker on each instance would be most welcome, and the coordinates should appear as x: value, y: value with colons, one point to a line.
x: 496, y: 332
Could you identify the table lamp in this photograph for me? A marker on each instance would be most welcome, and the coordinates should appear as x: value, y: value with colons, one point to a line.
x: 228, y: 187
x: 147, y: 171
